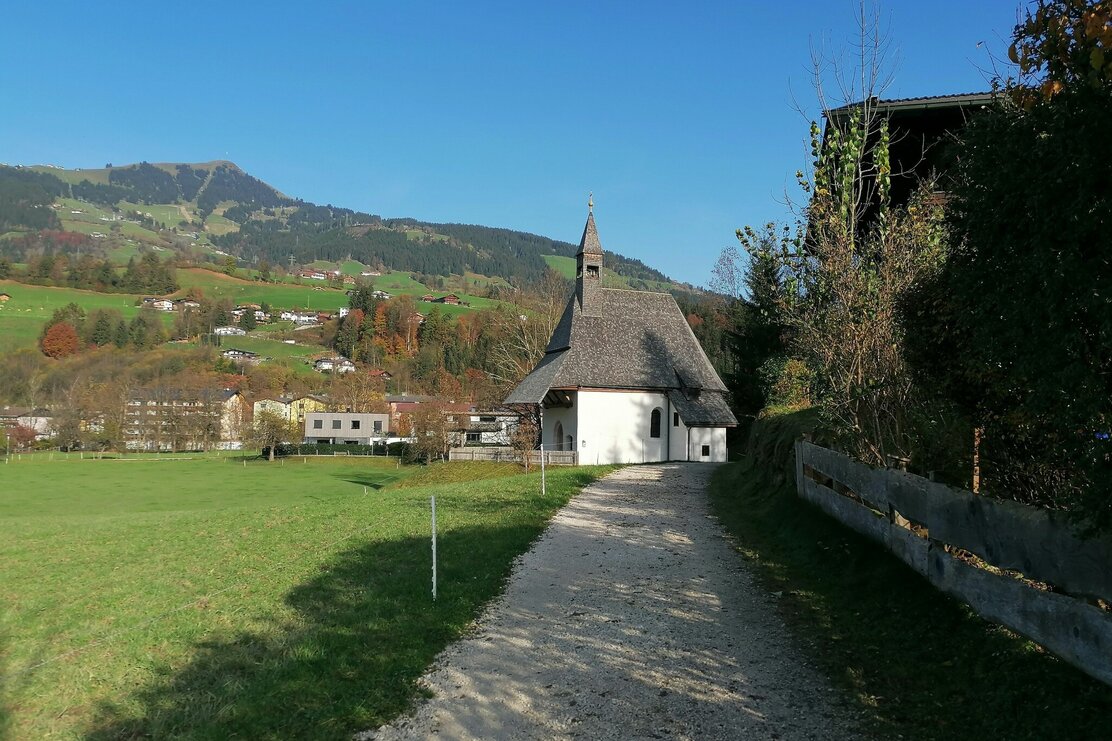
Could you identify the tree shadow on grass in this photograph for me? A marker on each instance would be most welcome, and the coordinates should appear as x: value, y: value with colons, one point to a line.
x: 369, y: 481
x: 367, y: 628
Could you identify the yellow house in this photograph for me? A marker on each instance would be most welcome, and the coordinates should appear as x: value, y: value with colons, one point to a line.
x: 292, y: 408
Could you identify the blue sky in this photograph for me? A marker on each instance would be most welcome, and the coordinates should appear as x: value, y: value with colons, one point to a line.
x: 680, y: 117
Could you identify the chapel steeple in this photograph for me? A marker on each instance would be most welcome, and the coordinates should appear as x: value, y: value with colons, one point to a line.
x: 588, y: 264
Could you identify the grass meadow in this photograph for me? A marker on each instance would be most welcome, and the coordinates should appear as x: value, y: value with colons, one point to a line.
x: 281, y: 295
x: 217, y: 598
x: 22, y: 317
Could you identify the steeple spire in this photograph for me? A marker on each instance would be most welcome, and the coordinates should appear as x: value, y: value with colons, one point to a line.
x: 588, y: 264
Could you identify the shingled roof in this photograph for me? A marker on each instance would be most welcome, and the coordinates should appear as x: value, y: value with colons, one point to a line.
x: 636, y: 340
x: 589, y: 244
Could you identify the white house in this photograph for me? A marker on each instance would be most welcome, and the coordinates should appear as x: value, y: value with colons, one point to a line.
x: 241, y: 356
x: 162, y: 304
x: 299, y: 317
x: 334, y: 365
x: 229, y: 331
x: 623, y: 379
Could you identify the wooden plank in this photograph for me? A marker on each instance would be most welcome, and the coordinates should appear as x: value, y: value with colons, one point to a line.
x: 865, y: 481
x: 845, y: 510
x: 1008, y: 535
x: 1077, y: 632
x: 910, y: 548
x: 799, y: 453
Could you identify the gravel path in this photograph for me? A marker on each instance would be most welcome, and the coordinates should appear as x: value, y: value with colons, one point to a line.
x: 631, y: 617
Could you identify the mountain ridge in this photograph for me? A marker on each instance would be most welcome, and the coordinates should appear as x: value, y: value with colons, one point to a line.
x: 220, y: 206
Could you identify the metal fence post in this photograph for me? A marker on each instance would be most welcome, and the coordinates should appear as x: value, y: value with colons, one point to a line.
x: 434, y: 548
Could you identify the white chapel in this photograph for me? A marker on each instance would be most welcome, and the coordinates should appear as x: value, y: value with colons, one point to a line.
x: 623, y: 379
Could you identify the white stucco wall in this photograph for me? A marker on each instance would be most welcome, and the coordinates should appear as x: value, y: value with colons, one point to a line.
x: 715, y: 437
x: 613, y: 427
x: 677, y: 438
x: 566, y: 417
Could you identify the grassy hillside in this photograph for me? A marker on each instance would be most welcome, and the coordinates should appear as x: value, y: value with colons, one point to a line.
x: 22, y: 317
x: 283, y: 295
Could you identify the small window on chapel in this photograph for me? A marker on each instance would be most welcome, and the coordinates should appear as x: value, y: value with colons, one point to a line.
x: 654, y: 424
x: 675, y: 419
x: 706, y: 451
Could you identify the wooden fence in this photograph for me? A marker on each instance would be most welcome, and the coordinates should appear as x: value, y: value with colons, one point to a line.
x: 551, y: 457
x: 1031, y: 572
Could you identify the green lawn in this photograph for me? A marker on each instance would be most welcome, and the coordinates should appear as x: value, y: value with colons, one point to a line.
x: 208, y: 599
x: 916, y: 663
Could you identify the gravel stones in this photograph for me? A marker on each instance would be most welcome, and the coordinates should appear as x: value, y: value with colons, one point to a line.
x: 631, y: 617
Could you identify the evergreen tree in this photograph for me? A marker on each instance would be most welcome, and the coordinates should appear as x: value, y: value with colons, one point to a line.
x: 122, y: 335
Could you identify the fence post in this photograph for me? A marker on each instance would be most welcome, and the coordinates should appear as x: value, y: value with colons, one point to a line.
x: 799, y: 466
x: 434, y: 548
x: 544, y: 489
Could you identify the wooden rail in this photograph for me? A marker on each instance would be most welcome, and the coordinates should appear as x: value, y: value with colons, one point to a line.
x: 551, y: 457
x: 1042, y: 578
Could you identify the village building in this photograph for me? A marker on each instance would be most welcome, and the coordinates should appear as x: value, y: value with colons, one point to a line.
x: 346, y: 428
x: 5, y: 297
x: 334, y: 365
x: 229, y: 331
x: 241, y: 356
x: 291, y: 408
x: 39, y: 419
x: 299, y: 317
x: 161, y: 304
x: 623, y: 379
x: 481, y: 428
x: 163, y: 419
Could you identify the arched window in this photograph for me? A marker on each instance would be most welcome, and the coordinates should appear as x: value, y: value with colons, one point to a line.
x: 654, y: 423
x: 559, y: 436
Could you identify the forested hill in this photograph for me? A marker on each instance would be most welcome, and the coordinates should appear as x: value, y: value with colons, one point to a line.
x: 219, y: 205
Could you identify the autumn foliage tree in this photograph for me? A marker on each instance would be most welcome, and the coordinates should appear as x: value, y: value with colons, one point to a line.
x: 1062, y: 45
x: 22, y: 437
x: 60, y: 341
